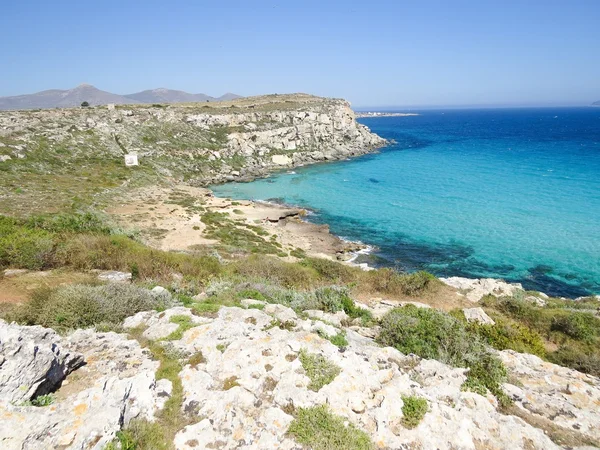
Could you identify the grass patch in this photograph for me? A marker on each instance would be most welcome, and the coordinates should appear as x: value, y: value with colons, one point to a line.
x: 40, y: 401
x: 413, y: 409
x: 205, y: 309
x: 230, y: 383
x: 319, y: 369
x: 184, y: 322
x: 159, y: 435
x: 338, y: 339
x: 319, y: 429
x: 196, y: 359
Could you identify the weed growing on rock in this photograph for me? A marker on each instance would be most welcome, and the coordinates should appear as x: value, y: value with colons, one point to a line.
x: 184, y: 322
x: 319, y: 369
x: 205, y: 309
x: 40, y: 401
x: 319, y: 429
x: 338, y: 339
x: 414, y: 409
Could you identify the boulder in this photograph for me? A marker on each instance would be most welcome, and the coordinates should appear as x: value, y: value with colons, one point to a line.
x: 477, y: 315
x: 115, y: 276
x: 116, y: 385
x: 475, y: 289
x: 33, y: 361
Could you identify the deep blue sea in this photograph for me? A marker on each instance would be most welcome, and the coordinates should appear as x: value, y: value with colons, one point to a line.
x: 503, y: 193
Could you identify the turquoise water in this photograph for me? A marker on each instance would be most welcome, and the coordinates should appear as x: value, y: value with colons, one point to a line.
x: 511, y: 194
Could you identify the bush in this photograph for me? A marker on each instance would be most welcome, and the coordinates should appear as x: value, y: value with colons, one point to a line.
x: 433, y: 334
x: 413, y: 409
x: 73, y: 223
x: 585, y: 359
x: 81, y: 306
x: 319, y: 429
x: 24, y: 247
x: 274, y: 270
x: 319, y: 369
x: 83, y: 242
x: 578, y: 325
x: 331, y: 271
x: 509, y: 334
x: 388, y: 281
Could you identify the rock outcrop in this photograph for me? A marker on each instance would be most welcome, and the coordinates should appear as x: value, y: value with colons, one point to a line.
x: 474, y: 289
x: 33, y: 362
x: 116, y: 385
x: 203, y: 143
x: 247, y: 378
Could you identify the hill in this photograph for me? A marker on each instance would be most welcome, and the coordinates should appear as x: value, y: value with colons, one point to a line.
x: 57, y: 98
x: 162, y: 95
x: 596, y: 103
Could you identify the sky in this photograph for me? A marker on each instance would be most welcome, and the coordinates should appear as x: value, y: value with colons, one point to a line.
x: 373, y: 53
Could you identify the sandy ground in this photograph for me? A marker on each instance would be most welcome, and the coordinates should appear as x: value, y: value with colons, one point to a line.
x: 170, y: 219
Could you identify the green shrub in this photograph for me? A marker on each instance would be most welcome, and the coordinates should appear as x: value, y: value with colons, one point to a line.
x: 509, y: 334
x: 319, y: 429
x: 330, y: 271
x: 433, y: 334
x: 413, y: 409
x: 81, y: 306
x: 319, y: 369
x: 388, y: 281
x: 24, y: 247
x: 578, y: 325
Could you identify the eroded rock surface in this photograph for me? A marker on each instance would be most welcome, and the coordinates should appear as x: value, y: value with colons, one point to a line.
x: 116, y: 385
x: 568, y: 398
x: 246, y: 379
x: 251, y: 379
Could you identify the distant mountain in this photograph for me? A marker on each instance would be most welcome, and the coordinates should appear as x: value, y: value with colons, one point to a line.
x: 596, y: 103
x: 163, y: 95
x: 228, y: 96
x: 57, y: 98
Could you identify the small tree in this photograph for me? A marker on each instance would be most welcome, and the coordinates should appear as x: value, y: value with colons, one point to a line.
x: 85, y: 104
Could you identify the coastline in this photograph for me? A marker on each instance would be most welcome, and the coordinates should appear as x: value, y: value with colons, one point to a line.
x: 373, y: 114
x: 168, y: 218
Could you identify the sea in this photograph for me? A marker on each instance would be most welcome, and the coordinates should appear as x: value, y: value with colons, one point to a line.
x: 499, y: 193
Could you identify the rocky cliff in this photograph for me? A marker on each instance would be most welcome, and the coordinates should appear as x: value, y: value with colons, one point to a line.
x: 201, y: 143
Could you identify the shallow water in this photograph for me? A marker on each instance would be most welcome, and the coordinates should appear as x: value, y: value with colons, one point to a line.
x: 511, y: 194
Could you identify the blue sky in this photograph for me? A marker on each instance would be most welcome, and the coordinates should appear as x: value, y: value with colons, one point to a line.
x: 373, y: 53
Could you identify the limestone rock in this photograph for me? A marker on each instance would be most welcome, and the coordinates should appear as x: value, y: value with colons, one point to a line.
x: 116, y: 385
x: 477, y: 315
x: 33, y: 361
x: 564, y: 396
x: 115, y: 276
x: 475, y: 289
